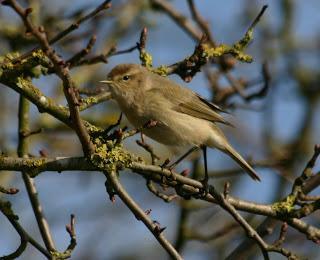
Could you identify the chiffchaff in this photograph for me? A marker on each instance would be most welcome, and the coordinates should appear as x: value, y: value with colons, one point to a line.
x: 183, y: 117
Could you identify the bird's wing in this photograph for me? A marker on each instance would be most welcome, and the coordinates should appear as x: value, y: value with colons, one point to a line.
x: 185, y: 101
x: 201, y: 108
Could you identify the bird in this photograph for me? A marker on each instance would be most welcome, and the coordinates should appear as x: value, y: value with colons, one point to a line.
x: 183, y: 117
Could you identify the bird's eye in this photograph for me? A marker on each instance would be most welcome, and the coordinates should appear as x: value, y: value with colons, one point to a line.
x: 125, y: 77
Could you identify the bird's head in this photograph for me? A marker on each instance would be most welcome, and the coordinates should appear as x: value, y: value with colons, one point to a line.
x: 125, y: 78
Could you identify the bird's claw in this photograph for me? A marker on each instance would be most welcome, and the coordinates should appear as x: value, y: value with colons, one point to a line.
x: 165, y: 164
x: 204, y: 191
x: 170, y: 168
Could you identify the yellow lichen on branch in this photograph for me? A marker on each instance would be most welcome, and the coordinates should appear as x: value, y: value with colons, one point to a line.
x: 110, y: 156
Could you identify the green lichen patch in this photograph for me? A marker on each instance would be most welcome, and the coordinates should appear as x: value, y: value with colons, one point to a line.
x: 244, y: 42
x: 34, y: 166
x: 89, y: 101
x: 61, y: 255
x: 161, y: 70
x: 21, y: 82
x: 286, y: 206
x: 146, y: 59
x: 6, y: 61
x: 39, y: 54
x: 223, y: 49
x: 110, y: 156
x: 37, y: 162
x: 92, y: 129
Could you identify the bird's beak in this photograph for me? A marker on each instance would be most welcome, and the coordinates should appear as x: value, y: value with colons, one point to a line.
x: 106, y: 81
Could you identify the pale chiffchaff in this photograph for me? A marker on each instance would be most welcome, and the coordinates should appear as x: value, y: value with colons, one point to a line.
x: 182, y: 116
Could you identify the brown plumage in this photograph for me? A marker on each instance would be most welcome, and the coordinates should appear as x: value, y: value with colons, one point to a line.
x: 184, y: 117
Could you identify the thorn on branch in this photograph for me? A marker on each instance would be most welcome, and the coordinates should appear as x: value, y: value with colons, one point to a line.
x: 9, y: 191
x: 157, y: 228
x: 148, y: 212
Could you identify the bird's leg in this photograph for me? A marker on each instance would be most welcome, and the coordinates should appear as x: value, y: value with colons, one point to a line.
x: 206, y: 176
x: 173, y: 165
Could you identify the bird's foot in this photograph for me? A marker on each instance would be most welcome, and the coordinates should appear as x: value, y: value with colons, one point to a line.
x: 203, y: 192
x: 166, y: 166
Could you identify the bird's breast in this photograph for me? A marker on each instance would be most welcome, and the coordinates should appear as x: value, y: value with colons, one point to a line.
x: 173, y: 128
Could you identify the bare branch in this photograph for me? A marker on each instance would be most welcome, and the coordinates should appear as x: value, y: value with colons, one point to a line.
x: 141, y: 215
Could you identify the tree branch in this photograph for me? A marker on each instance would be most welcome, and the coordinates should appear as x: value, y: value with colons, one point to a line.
x: 141, y: 215
x: 184, y: 186
x: 28, y: 181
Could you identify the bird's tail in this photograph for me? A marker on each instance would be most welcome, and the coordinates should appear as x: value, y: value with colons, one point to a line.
x: 242, y: 162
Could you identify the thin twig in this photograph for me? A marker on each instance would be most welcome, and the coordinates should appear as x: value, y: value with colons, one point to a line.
x: 200, y: 21
x: 63, y: 72
x: 164, y: 197
x: 105, y: 5
x: 141, y: 215
x: 5, y: 208
x: 186, y: 185
x: 71, y: 62
x: 226, y: 229
x: 149, y: 149
x: 29, y: 183
x: 181, y: 20
x: 251, y: 232
x: 9, y: 191
x: 282, y: 235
